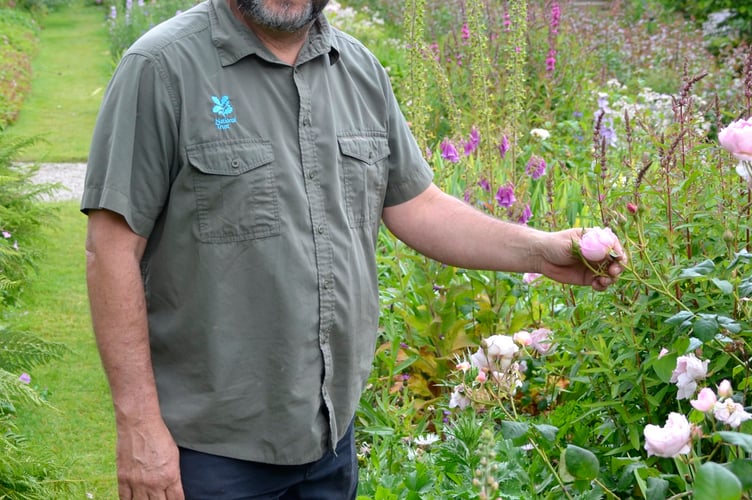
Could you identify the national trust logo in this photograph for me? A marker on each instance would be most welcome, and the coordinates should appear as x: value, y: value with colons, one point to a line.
x: 224, y: 110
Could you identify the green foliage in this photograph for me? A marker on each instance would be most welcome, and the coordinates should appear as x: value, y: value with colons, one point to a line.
x: 129, y: 20
x: 630, y: 114
x: 18, y: 40
x: 22, y: 475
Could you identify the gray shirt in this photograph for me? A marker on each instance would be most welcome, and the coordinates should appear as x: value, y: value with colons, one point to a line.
x: 259, y: 187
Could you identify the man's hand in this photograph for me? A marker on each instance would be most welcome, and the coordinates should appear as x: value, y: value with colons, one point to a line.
x: 148, y: 463
x: 560, y: 263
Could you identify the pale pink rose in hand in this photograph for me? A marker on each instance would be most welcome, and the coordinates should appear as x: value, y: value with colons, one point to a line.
x: 737, y: 139
x: 597, y: 243
x: 705, y: 400
x: 670, y: 440
x: 730, y: 413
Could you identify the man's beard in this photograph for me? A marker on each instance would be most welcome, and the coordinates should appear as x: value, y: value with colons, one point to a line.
x: 281, y: 20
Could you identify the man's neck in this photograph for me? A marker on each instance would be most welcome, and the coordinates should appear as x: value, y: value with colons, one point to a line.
x: 285, y: 45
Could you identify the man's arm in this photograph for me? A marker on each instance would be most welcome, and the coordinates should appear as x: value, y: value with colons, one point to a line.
x: 450, y: 231
x: 147, y: 457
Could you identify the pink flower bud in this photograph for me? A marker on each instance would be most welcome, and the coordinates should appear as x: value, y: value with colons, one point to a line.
x: 523, y: 338
x: 631, y: 208
x: 663, y: 352
x: 724, y: 389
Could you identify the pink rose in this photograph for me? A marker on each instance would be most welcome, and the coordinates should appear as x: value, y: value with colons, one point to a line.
x: 705, y: 400
x: 597, y: 243
x: 670, y: 440
x: 737, y: 139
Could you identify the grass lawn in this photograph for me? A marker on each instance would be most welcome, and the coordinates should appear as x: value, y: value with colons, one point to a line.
x: 70, y: 74
x: 79, y: 430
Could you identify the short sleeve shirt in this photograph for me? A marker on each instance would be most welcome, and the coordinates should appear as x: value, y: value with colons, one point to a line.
x: 259, y: 187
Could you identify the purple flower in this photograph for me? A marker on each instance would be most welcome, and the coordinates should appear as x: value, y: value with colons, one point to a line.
x: 25, y: 378
x: 449, y: 152
x: 6, y: 235
x: 113, y: 13
x: 505, y: 195
x: 503, y: 146
x: 527, y: 214
x: 555, y: 17
x: 465, y: 31
x: 551, y: 61
x: 485, y: 185
x: 466, y: 196
x: 507, y: 21
x: 536, y: 167
x: 472, y: 143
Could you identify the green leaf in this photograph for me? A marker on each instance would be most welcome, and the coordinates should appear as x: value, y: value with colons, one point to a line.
x: 736, y: 438
x: 657, y: 489
x: 664, y: 367
x: 723, y: 285
x: 580, y: 463
x: 680, y: 317
x: 514, y: 430
x: 698, y: 271
x: 547, y: 431
x: 745, y: 287
x: 742, y: 468
x: 716, y: 482
x: 706, y: 328
x: 744, y: 257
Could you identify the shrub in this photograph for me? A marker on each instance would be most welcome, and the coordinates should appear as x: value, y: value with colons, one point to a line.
x: 18, y: 43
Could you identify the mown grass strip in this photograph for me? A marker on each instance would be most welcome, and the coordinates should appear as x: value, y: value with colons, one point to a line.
x: 69, y: 75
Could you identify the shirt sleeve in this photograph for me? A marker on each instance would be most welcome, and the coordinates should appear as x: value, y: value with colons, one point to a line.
x: 133, y: 146
x: 409, y: 173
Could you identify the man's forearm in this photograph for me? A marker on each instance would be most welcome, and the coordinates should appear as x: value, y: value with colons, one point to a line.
x: 118, y: 310
x: 454, y: 233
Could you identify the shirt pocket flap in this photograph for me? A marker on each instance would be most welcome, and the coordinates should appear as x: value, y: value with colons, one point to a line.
x: 230, y: 157
x: 366, y: 148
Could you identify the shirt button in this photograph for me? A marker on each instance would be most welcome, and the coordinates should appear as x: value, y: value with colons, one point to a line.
x: 320, y: 229
x: 327, y: 284
x: 235, y: 163
x: 311, y: 174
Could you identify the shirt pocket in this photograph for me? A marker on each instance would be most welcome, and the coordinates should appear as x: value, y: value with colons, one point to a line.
x: 235, y: 188
x: 363, y: 161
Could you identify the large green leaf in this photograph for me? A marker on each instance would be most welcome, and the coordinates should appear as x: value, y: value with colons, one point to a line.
x: 579, y: 463
x: 713, y: 481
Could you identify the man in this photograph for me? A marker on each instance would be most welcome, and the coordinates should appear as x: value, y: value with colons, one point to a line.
x: 244, y: 156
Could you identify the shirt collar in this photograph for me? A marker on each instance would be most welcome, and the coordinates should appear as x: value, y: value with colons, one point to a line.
x: 234, y: 40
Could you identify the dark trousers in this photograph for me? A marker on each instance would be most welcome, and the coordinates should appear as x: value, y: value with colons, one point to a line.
x: 210, y: 477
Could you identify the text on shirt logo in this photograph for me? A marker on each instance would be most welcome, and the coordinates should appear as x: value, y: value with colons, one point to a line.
x: 224, y: 109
